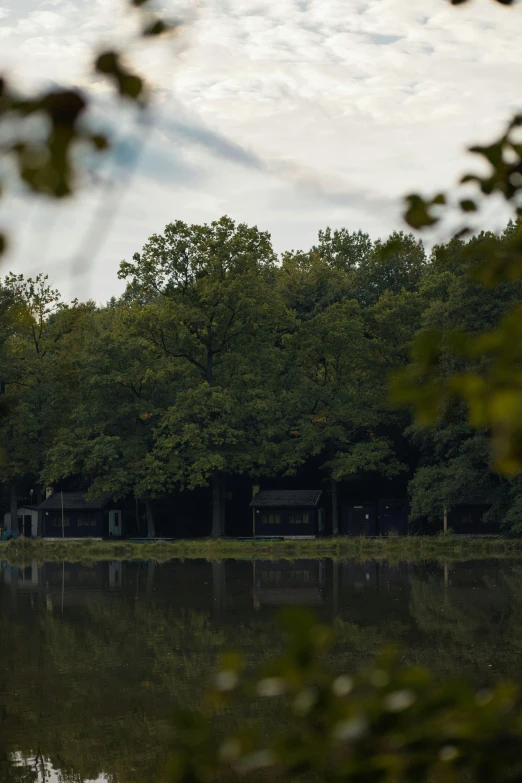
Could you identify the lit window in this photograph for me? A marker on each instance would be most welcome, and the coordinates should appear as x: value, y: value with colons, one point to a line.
x: 298, y: 517
x: 271, y: 518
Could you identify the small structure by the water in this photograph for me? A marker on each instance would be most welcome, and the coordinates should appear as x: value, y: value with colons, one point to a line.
x: 288, y: 513
x: 376, y: 518
x: 27, y: 521
x: 71, y: 515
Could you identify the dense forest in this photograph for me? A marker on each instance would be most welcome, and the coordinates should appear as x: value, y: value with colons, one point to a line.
x: 222, y: 360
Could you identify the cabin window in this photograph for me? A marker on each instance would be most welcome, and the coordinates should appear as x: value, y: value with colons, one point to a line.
x: 271, y: 518
x: 57, y: 522
x: 298, y: 517
x: 299, y: 576
x: 271, y: 577
x: 86, y: 522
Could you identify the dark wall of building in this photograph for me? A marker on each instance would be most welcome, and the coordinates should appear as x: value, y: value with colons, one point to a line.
x: 468, y: 519
x: 382, y: 517
x: 359, y: 520
x: 286, y: 522
x: 77, y: 524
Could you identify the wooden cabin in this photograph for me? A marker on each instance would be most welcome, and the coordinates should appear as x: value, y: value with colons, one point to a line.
x: 287, y: 513
x: 468, y: 519
x: 359, y: 520
x: 393, y: 517
x: 376, y: 518
x: 71, y: 515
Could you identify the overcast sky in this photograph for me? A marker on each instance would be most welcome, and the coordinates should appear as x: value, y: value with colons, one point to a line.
x: 289, y: 114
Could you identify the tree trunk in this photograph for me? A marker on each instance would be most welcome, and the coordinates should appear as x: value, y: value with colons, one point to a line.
x: 217, y: 510
x: 218, y: 588
x: 335, y: 509
x: 223, y: 502
x: 335, y: 588
x: 14, y: 508
x: 151, y: 567
x: 151, y: 530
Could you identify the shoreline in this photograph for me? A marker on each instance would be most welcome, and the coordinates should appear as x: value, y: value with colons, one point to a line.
x: 394, y: 548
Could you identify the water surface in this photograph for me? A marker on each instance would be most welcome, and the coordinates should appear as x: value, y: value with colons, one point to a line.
x: 93, y: 657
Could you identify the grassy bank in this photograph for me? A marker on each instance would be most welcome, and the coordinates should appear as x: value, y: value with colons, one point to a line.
x: 396, y: 548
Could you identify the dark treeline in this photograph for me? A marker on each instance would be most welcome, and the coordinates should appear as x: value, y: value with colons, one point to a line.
x: 222, y: 360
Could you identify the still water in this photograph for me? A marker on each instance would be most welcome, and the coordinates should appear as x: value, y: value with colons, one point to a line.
x: 93, y: 657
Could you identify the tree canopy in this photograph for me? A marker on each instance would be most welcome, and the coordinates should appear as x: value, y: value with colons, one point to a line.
x: 222, y: 360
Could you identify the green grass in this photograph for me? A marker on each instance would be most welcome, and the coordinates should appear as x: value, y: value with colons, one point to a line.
x: 394, y: 548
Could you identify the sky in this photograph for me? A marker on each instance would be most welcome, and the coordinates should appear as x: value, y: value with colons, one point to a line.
x: 292, y: 115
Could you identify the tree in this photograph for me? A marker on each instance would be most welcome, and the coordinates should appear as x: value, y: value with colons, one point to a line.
x: 35, y: 356
x: 493, y: 394
x: 350, y: 333
x: 395, y: 265
x: 203, y: 299
x: 119, y: 392
x: 456, y: 466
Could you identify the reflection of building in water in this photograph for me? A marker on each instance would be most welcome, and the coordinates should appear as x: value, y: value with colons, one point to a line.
x: 115, y: 573
x: 286, y: 583
x: 373, y: 575
x: 21, y: 576
x: 73, y: 583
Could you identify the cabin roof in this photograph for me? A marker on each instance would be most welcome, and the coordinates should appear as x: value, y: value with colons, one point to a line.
x: 286, y: 498
x: 27, y: 507
x: 75, y: 501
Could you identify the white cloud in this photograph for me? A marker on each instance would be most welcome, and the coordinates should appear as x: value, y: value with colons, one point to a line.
x: 292, y: 114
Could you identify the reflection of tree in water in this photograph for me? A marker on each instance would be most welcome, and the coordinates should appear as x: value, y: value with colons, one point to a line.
x: 472, y: 624
x: 356, y: 644
x: 108, y: 666
x: 92, y: 689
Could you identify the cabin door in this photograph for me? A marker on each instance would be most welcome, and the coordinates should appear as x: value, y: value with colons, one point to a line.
x: 359, y: 520
x: 115, y: 523
x: 27, y: 530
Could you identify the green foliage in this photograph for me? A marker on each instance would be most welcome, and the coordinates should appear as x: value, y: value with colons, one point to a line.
x: 491, y: 386
x: 46, y: 163
x: 478, y: 366
x: 503, y: 159
x: 216, y: 361
x: 36, y: 358
x: 387, y: 722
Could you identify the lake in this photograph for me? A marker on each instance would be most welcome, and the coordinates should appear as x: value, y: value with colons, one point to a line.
x: 92, y: 657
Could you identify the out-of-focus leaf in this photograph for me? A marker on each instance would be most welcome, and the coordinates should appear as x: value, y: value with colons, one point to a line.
x: 129, y: 85
x: 468, y: 205
x: 385, y: 723
x: 418, y: 214
x: 157, y: 27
